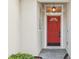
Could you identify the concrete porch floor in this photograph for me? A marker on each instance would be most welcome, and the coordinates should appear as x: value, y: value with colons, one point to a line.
x: 52, y: 53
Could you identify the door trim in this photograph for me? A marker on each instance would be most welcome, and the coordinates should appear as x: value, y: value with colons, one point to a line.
x: 45, y: 30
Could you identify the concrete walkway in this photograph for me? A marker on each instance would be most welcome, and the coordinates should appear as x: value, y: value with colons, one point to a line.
x: 53, y: 53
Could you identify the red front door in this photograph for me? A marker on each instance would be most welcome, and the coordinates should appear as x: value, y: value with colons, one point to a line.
x: 53, y: 30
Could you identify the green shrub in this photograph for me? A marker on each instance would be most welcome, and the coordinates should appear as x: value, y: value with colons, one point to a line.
x: 21, y: 56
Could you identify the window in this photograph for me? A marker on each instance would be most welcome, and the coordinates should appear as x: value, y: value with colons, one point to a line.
x: 53, y: 9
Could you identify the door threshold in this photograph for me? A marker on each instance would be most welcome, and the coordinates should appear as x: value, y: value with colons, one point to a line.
x: 54, y: 47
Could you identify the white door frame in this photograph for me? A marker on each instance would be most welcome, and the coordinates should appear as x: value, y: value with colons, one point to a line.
x: 45, y: 29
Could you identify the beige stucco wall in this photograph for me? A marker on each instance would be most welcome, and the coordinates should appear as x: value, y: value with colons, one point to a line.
x: 23, y: 33
x: 13, y: 30
x: 29, y: 32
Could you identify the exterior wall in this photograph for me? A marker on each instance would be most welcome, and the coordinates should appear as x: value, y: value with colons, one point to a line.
x: 29, y: 32
x: 13, y: 26
x: 69, y: 28
x: 39, y: 18
x: 23, y: 33
x: 65, y: 24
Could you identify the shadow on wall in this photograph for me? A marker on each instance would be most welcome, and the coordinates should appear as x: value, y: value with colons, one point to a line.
x: 66, y: 56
